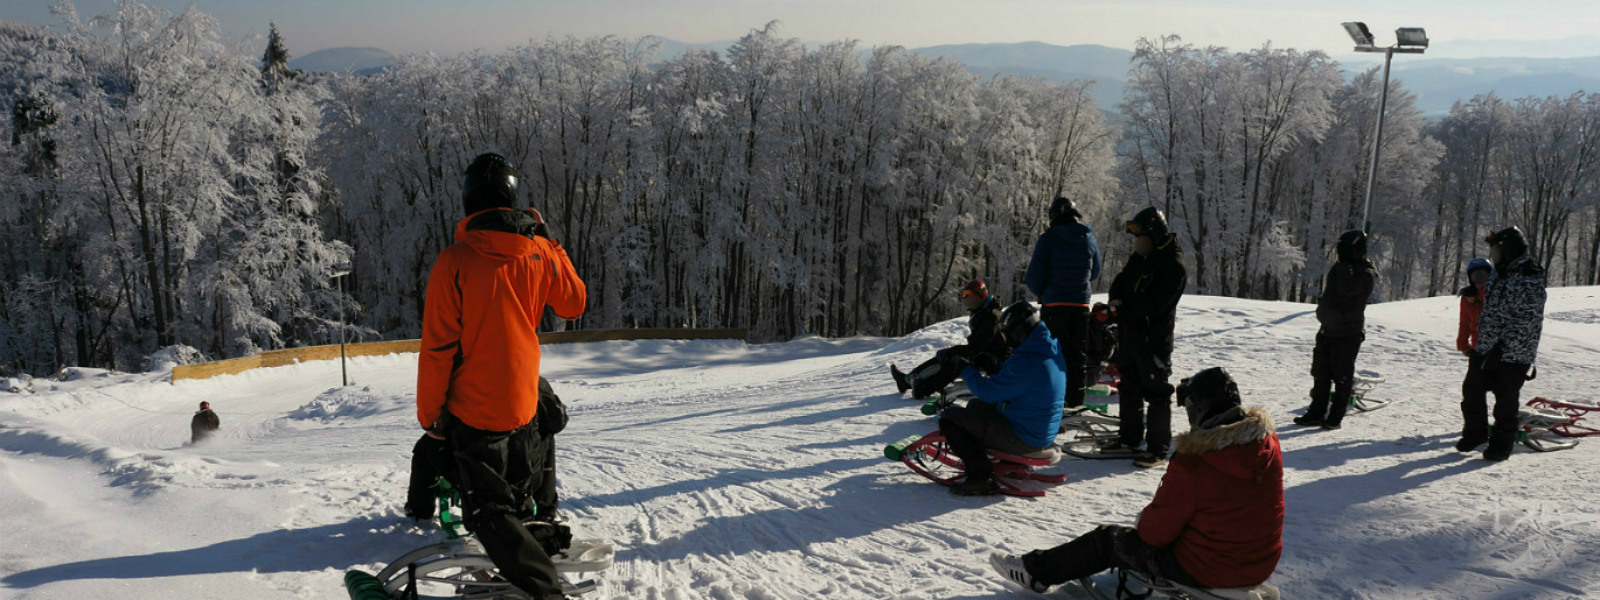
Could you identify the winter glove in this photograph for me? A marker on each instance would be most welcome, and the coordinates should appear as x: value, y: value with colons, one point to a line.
x: 540, y: 227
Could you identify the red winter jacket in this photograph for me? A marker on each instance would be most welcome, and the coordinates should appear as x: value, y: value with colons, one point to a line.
x: 1471, y: 309
x: 1220, y: 505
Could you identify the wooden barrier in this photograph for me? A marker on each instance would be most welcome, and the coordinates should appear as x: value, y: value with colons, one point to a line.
x: 278, y: 358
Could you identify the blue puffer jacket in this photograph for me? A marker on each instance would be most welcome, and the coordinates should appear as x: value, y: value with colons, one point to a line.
x: 1028, y: 389
x: 1065, y: 260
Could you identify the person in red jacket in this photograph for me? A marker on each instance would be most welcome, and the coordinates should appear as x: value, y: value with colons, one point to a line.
x: 1216, y: 520
x: 1478, y: 270
x: 478, y: 371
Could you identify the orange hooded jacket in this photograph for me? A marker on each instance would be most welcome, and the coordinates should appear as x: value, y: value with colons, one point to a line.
x: 486, y: 294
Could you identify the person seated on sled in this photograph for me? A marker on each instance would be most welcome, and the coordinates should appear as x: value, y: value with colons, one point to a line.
x: 1100, y: 349
x: 203, y: 424
x: 1017, y: 410
x: 931, y: 376
x: 1216, y: 520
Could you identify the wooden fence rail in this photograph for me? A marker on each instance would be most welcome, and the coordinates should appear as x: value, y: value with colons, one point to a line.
x: 289, y: 356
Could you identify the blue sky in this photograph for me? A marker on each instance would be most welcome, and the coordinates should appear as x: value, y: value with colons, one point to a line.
x: 1458, y: 28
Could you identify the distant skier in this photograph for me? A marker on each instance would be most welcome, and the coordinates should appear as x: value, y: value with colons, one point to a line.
x: 478, y: 372
x: 1216, y: 520
x: 1478, y: 271
x: 1145, y: 298
x: 1066, y: 260
x: 1018, y: 410
x: 983, y: 346
x: 1342, y: 312
x: 205, y: 422
x: 1508, y: 342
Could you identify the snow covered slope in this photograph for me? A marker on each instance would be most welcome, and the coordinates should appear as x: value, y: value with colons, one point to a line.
x: 724, y: 470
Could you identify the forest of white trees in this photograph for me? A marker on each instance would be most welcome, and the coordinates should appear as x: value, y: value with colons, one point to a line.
x: 160, y: 187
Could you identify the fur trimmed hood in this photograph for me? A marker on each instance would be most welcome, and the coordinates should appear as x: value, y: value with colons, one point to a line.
x: 1236, y: 448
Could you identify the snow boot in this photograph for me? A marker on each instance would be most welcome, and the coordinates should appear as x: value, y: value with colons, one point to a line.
x: 1014, y: 570
x: 1501, y: 441
x: 1308, y: 420
x: 980, y: 486
x: 1151, y: 459
x: 900, y: 380
x: 1470, y: 441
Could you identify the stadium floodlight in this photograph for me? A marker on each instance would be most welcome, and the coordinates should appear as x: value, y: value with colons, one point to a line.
x: 1359, y: 33
x: 1411, y: 37
x: 1408, y: 40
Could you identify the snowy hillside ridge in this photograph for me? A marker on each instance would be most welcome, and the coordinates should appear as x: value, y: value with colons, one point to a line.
x: 728, y: 470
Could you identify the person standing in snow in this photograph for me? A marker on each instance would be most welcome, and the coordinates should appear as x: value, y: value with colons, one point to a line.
x: 937, y: 372
x: 1478, y: 271
x: 1145, y: 298
x: 478, y: 371
x: 1341, y: 310
x: 1508, y: 342
x: 1017, y: 410
x: 1065, y: 261
x: 1216, y: 520
x: 205, y: 422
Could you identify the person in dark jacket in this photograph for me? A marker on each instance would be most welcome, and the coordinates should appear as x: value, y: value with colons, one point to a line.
x: 1017, y: 410
x: 1216, y: 520
x: 1145, y: 298
x: 983, y: 346
x: 205, y: 422
x: 477, y: 373
x: 1342, y: 312
x: 1065, y: 261
x: 1508, y: 342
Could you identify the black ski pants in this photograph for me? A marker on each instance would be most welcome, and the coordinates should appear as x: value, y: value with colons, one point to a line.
x: 1105, y: 547
x: 1333, y: 365
x: 1144, y: 382
x: 1485, y: 375
x: 432, y: 459
x: 1070, y: 326
x: 497, y: 470
x: 937, y: 372
x: 974, y: 429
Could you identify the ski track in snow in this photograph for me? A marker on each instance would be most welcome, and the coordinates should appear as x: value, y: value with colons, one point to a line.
x: 728, y: 471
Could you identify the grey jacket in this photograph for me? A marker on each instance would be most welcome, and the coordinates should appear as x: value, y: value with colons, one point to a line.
x: 1513, y: 312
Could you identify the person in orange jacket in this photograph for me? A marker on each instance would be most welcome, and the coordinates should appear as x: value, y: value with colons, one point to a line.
x: 1478, y: 270
x: 478, y: 371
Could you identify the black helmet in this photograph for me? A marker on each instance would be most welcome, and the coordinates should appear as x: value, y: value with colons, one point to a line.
x: 1017, y: 321
x: 1149, y: 222
x: 1062, y: 207
x: 1511, y: 242
x: 1207, y: 395
x: 1353, y: 244
x: 489, y: 182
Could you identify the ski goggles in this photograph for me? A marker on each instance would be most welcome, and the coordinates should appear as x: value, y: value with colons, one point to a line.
x: 1132, y: 228
x: 969, y: 293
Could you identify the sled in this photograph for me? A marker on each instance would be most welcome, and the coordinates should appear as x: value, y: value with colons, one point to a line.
x: 956, y: 392
x: 1575, y: 411
x: 1363, y: 385
x: 457, y: 567
x: 1537, y: 427
x: 1089, y: 423
x: 1094, y: 448
x: 930, y: 456
x: 1133, y: 584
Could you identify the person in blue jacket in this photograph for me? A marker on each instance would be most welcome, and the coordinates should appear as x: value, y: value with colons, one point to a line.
x: 1065, y: 260
x: 1017, y: 411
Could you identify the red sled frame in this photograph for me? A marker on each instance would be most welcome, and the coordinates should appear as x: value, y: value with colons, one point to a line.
x: 930, y: 456
x: 1574, y: 411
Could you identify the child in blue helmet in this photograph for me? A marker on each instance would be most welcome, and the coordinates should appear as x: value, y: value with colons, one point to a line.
x: 1478, y: 270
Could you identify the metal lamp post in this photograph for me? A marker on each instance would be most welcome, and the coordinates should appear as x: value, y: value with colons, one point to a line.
x: 1408, y: 40
x: 339, y: 271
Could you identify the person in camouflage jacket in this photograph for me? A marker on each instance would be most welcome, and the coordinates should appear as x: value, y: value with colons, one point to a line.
x: 1508, y: 342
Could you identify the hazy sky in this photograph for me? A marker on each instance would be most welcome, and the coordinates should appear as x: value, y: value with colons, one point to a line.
x: 1456, y: 27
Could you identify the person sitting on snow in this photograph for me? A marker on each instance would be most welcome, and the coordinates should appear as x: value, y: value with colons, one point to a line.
x: 204, y: 422
x: 937, y: 372
x: 1216, y: 520
x: 1017, y: 410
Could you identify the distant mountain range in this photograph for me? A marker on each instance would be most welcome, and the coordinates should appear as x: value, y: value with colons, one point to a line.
x: 1437, y: 82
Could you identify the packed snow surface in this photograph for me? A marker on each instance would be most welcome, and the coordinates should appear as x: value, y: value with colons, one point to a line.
x: 728, y: 470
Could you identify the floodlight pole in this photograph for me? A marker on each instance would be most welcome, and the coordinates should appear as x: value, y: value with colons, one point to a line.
x: 1377, y: 139
x: 339, y: 272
